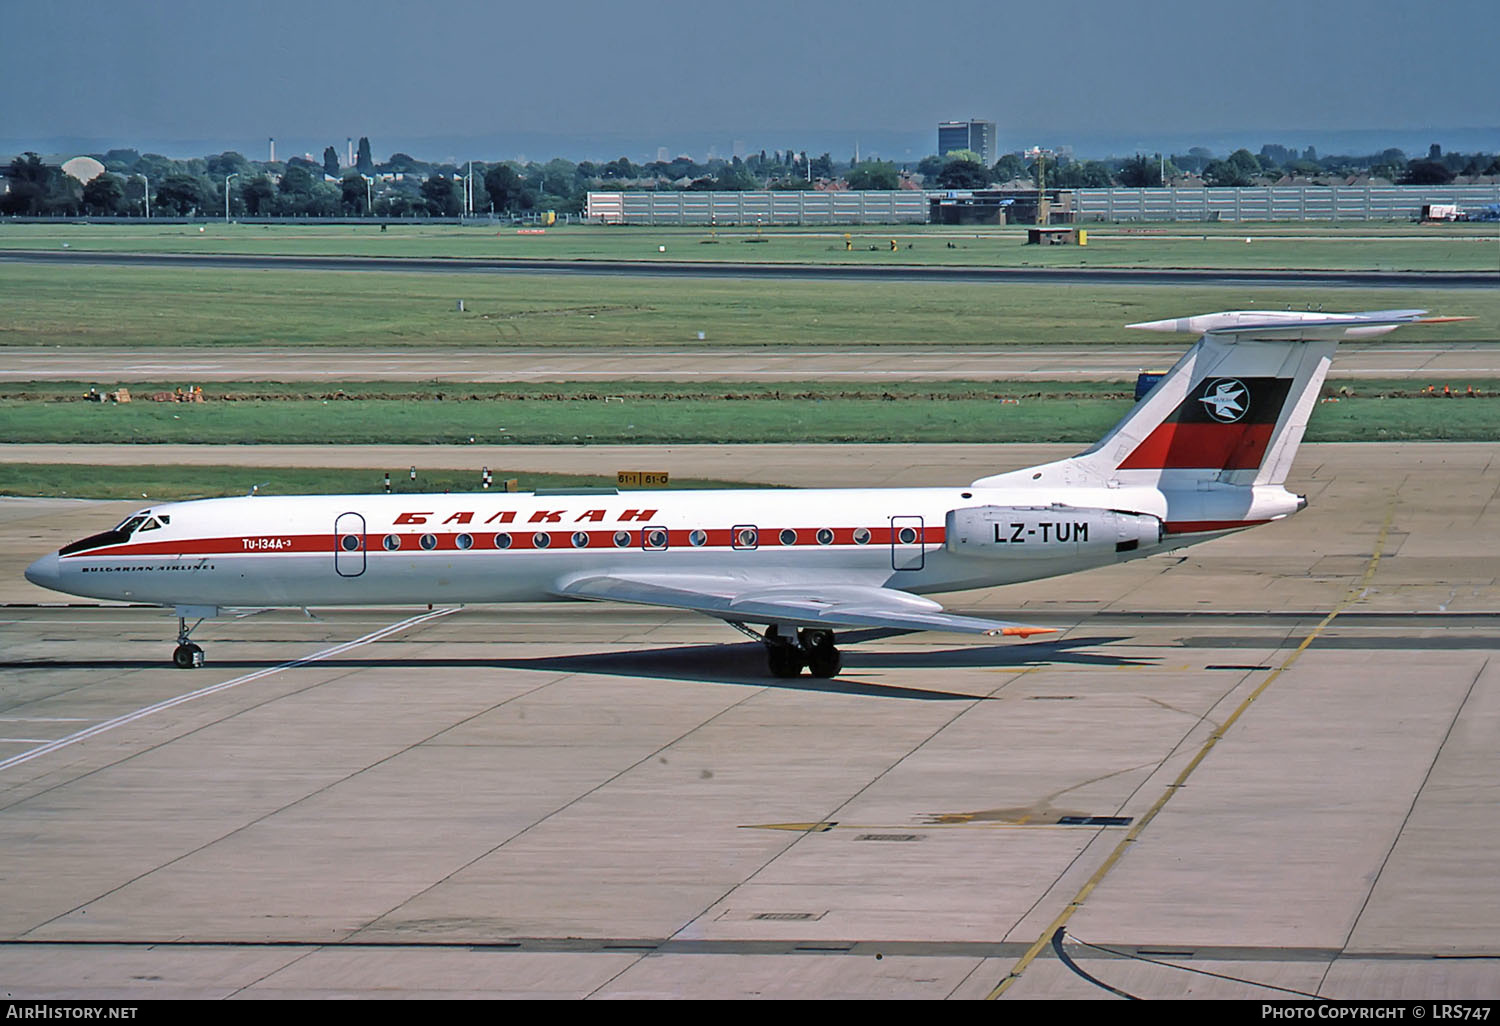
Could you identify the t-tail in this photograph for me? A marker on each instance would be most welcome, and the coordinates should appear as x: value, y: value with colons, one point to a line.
x: 1218, y: 433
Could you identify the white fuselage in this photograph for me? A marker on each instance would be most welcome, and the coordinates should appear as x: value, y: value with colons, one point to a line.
x: 516, y: 547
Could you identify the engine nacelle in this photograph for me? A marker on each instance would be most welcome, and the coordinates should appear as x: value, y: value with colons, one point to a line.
x: 1030, y: 532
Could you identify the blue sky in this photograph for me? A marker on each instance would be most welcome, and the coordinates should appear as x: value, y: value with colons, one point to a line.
x: 680, y: 73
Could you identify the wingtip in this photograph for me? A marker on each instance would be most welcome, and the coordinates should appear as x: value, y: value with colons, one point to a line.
x: 1026, y: 632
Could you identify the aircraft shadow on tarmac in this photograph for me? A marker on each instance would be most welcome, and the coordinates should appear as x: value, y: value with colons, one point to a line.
x: 742, y: 664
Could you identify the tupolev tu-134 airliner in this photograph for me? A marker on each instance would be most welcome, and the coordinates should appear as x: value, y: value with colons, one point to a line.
x: 1206, y: 452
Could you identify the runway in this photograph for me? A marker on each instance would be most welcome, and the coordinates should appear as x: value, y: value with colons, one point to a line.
x: 1266, y: 758
x: 1103, y: 362
x: 733, y: 269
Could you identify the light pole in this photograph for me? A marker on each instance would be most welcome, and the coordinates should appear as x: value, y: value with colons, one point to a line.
x: 226, y: 194
x: 369, y: 201
x: 146, y: 195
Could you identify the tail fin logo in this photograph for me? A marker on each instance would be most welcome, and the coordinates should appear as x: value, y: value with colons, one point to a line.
x: 1228, y: 401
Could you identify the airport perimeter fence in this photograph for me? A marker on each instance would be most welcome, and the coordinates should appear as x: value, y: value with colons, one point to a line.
x: 1262, y: 203
x: 757, y: 208
x: 1278, y: 202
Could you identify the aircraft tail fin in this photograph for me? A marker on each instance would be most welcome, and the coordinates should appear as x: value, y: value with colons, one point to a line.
x: 1233, y: 409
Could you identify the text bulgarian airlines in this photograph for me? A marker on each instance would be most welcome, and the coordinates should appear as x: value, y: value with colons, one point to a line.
x: 1015, y: 533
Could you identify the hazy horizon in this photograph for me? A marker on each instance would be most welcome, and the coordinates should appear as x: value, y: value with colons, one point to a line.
x: 475, y: 80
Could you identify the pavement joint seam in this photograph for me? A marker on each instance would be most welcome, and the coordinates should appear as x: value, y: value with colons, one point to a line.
x: 1410, y: 809
x: 1355, y: 593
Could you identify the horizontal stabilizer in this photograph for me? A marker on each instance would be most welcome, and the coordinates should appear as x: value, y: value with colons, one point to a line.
x: 1291, y: 325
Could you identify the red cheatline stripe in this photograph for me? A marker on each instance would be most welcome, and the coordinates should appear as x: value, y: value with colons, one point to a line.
x: 301, y: 544
x: 1209, y: 446
x: 1200, y: 526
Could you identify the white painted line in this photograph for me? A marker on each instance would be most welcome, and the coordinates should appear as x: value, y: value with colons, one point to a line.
x: 120, y: 721
x: 45, y: 719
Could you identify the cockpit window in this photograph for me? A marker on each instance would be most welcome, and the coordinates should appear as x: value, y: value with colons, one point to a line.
x: 119, y: 535
x: 129, y: 525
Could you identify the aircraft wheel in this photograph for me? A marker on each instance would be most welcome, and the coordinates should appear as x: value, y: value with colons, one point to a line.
x: 785, y: 661
x: 822, y: 658
x: 825, y: 662
x: 187, y: 657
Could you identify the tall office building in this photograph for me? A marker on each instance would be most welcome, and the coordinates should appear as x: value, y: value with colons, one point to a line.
x: 978, y: 136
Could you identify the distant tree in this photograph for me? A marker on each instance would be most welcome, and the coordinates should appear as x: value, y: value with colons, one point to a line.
x: 304, y: 164
x: 1427, y: 172
x: 323, y: 201
x: 1272, y: 155
x: 401, y: 162
x: 28, y: 181
x: 961, y: 173
x: 183, y: 195
x: 259, y: 196
x: 440, y: 196
x: 822, y: 166
x: 874, y: 174
x: 1222, y: 173
x: 296, y: 184
x: 1246, y: 161
x: 135, y: 195
x: 353, y: 191
x: 735, y: 177
x: 228, y: 163
x: 1008, y: 168
x: 362, y: 160
x: 504, y: 187
x: 331, y: 162
x: 928, y: 167
x: 1141, y: 172
x: 619, y: 168
x: 558, y: 178
x: 1088, y: 174
x: 120, y: 160
x: 104, y: 195
x: 1241, y: 168
x: 156, y: 167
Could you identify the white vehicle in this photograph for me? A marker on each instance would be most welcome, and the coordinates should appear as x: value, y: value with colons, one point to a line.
x: 1204, y: 453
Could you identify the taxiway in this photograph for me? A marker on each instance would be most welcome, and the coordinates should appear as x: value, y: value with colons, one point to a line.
x: 1269, y: 758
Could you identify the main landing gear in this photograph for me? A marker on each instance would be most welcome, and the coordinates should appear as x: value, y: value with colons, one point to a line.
x: 186, y: 656
x: 788, y: 653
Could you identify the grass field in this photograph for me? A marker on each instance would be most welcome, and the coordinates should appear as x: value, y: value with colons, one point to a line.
x: 794, y: 414
x: 146, y: 307
x: 163, y: 483
x: 1387, y: 246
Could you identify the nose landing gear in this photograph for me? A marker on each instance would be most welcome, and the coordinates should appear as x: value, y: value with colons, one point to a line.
x: 188, y: 656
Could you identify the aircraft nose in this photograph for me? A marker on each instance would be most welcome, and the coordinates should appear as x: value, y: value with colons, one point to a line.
x: 44, y: 572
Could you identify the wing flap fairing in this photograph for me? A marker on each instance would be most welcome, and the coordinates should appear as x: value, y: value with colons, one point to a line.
x: 834, y: 605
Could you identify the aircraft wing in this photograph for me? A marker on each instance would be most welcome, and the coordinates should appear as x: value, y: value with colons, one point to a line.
x: 805, y: 605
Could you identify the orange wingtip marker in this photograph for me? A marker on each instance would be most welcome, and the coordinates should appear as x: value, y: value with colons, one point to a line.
x: 1026, y: 632
x: 1442, y: 320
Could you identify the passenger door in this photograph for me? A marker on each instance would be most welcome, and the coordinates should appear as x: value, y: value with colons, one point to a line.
x: 908, y: 543
x: 349, y: 545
